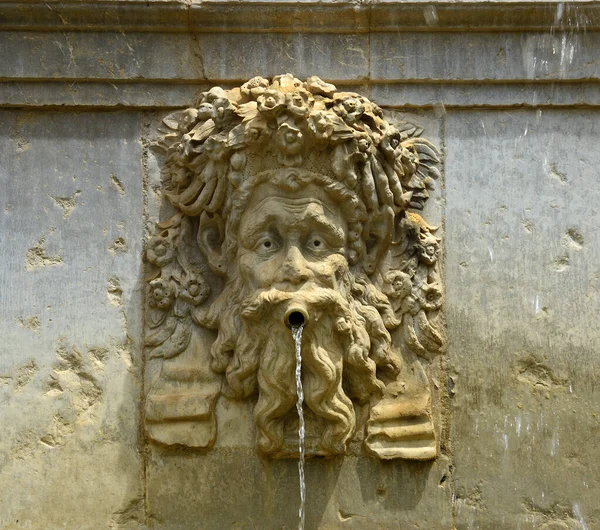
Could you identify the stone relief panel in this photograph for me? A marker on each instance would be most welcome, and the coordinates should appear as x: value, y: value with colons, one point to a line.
x: 293, y: 200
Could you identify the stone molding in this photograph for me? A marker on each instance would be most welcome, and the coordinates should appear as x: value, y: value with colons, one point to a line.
x: 300, y: 15
x: 111, y: 94
x: 114, y: 54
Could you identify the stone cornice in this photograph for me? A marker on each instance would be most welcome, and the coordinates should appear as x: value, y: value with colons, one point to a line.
x: 305, y: 16
x: 158, y: 54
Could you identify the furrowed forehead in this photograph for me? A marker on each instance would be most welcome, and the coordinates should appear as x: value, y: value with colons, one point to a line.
x: 267, y: 196
x: 288, y: 213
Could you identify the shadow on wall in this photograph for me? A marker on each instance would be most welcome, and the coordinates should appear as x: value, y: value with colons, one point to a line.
x: 235, y: 488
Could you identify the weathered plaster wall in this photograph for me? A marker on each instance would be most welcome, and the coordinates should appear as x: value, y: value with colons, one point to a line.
x: 71, y: 240
x: 510, y: 91
x: 522, y: 283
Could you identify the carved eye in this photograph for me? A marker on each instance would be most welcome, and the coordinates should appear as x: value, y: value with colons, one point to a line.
x: 266, y: 246
x: 317, y: 245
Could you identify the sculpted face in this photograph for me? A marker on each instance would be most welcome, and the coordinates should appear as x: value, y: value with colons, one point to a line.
x: 292, y: 256
x: 288, y: 241
x: 295, y: 203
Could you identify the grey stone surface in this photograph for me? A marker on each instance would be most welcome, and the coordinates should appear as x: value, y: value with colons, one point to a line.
x: 99, y: 94
x: 311, y: 16
x: 550, y: 55
x: 522, y: 303
x: 71, y: 236
x: 445, y: 95
x: 180, y: 56
x: 353, y: 492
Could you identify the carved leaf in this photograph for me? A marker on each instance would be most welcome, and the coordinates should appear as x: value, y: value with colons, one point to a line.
x: 411, y: 339
x: 202, y: 131
x: 368, y: 187
x: 176, y: 343
x: 171, y: 122
x: 409, y: 129
x: 188, y: 194
x: 160, y: 335
x: 426, y: 150
x: 155, y: 317
x: 429, y: 336
x: 247, y: 111
x: 434, y: 172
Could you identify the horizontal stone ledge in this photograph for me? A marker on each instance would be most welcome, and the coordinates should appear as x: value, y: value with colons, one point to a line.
x: 189, y: 57
x: 437, y: 96
x: 519, y: 94
x: 298, y: 15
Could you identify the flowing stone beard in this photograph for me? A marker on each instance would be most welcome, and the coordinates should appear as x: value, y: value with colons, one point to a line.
x: 343, y: 344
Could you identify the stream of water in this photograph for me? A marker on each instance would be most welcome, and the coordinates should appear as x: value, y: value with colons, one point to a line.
x: 297, y: 334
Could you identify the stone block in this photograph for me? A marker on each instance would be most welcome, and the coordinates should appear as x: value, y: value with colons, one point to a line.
x: 181, y: 56
x: 345, y: 492
x: 522, y: 304
x: 70, y: 319
x: 559, y: 54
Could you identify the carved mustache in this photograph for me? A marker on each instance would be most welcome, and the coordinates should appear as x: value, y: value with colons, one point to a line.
x: 258, y: 304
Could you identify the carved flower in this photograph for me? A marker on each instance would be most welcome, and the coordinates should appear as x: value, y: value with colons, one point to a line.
x: 321, y: 125
x: 271, y: 103
x: 256, y: 132
x: 213, y: 94
x: 255, y: 87
x: 430, y: 296
x: 406, y: 164
x: 398, y: 284
x: 287, y: 82
x: 349, y: 109
x: 195, y: 290
x: 317, y: 86
x: 298, y: 103
x: 364, y: 143
x: 187, y: 119
x: 290, y: 140
x: 160, y: 249
x: 205, y: 111
x: 162, y: 293
x: 409, y: 266
x: 390, y: 143
x: 428, y: 248
x: 223, y: 112
x: 189, y: 147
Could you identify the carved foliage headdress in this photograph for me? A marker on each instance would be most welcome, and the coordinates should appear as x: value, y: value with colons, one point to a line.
x: 215, y: 147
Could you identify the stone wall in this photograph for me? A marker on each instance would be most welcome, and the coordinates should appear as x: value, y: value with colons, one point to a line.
x: 511, y: 93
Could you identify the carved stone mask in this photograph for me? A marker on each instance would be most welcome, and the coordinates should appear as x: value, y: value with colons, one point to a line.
x: 291, y: 196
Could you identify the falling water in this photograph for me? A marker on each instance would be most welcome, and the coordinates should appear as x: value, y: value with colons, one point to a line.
x: 297, y: 333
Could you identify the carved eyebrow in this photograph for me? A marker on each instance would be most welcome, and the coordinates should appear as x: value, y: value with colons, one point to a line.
x: 325, y: 224
x: 255, y: 228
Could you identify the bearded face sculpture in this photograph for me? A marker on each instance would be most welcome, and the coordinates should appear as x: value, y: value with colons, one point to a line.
x: 294, y: 202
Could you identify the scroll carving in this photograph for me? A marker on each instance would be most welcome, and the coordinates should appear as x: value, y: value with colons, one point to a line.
x: 290, y: 194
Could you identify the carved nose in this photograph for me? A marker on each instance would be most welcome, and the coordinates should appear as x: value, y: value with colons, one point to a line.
x: 294, y: 269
